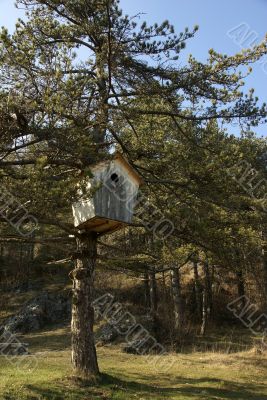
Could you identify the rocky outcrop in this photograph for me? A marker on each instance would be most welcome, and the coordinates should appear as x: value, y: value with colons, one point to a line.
x: 106, y: 334
x: 123, y: 331
x: 45, y: 309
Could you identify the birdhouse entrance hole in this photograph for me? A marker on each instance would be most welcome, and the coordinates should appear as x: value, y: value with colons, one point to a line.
x: 115, y: 178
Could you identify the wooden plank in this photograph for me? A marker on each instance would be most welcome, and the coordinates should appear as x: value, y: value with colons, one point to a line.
x: 112, y: 229
x: 108, y: 227
x: 102, y: 225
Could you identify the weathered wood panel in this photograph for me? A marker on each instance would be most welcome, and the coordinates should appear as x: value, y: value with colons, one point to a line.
x: 114, y: 200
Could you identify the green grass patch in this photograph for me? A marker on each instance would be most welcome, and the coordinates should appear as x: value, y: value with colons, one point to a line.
x: 192, y: 376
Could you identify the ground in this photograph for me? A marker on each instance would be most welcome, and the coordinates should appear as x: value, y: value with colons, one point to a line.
x: 193, y: 375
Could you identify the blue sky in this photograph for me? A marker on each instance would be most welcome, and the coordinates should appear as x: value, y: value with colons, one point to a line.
x: 215, y: 19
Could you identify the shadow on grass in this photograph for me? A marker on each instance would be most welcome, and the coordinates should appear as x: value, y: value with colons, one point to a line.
x: 230, y: 390
x: 111, y: 387
x: 54, y: 339
x: 218, y: 341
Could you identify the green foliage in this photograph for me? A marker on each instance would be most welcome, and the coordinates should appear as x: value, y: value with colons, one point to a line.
x: 80, y: 78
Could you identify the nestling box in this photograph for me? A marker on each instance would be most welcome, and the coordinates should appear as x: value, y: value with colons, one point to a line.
x: 115, y: 186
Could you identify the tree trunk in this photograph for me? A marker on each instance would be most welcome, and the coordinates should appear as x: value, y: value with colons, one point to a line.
x: 146, y: 289
x: 177, y: 299
x: 197, y: 289
x: 164, y: 284
x: 208, y: 285
x: 241, y: 286
x: 100, y: 126
x: 264, y: 260
x: 84, y: 357
x: 204, y: 312
x: 207, y: 299
x: 37, y: 251
x: 153, y: 292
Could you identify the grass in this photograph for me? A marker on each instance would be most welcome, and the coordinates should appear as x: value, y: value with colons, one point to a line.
x: 220, y: 366
x: 194, y: 375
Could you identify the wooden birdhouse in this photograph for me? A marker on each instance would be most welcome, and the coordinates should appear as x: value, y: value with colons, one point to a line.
x: 115, y: 186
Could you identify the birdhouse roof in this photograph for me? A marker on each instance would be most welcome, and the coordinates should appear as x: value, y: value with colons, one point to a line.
x: 132, y: 172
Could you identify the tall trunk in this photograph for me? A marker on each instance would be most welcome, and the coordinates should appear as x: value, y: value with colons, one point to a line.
x: 83, y: 347
x: 197, y: 289
x: 204, y: 311
x: 164, y: 283
x: 241, y: 286
x: 153, y: 292
x: 207, y: 299
x: 101, y: 121
x: 177, y: 299
x: 146, y: 289
x: 21, y: 273
x: 208, y: 284
x: 264, y: 260
x: 37, y: 251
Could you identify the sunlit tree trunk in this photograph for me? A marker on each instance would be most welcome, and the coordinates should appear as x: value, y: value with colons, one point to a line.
x: 264, y: 260
x: 204, y: 312
x: 153, y: 292
x: 146, y: 290
x: 241, y: 285
x: 177, y: 299
x: 207, y: 299
x: 197, y: 289
x: 83, y: 347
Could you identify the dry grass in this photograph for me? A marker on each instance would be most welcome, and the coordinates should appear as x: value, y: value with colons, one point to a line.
x: 192, y: 376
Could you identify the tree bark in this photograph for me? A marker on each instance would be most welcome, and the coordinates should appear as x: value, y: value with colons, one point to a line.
x: 204, y: 312
x: 177, y: 299
x: 241, y: 285
x: 153, y: 292
x: 84, y: 356
x: 208, y: 284
x: 197, y: 289
x: 146, y: 290
x: 264, y: 261
x: 207, y: 299
x: 164, y: 283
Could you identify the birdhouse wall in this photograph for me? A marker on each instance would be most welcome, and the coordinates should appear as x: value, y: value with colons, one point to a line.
x: 116, y: 196
x: 114, y: 190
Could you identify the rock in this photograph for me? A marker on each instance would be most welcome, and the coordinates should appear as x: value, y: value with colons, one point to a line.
x: 106, y: 334
x: 10, y: 345
x: 45, y: 309
x: 148, y: 322
x: 121, y: 327
x: 142, y: 339
x: 132, y: 348
x: 7, y: 349
x: 143, y: 346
